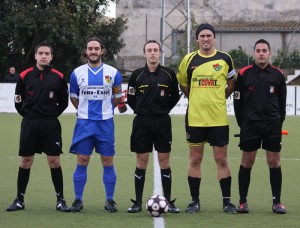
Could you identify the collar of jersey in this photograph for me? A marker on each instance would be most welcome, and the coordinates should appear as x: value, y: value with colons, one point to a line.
x: 95, y: 70
x: 257, y: 68
x: 148, y: 71
x: 207, y: 56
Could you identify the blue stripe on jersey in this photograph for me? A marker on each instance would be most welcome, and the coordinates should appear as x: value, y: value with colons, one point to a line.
x: 95, y: 78
x: 93, y: 88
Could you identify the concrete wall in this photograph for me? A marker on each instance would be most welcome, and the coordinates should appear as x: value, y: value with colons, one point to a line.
x: 247, y: 40
x: 144, y: 20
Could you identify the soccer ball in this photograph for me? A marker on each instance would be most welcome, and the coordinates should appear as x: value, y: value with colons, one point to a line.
x: 157, y: 205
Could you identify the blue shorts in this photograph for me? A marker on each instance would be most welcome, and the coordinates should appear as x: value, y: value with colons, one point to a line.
x: 90, y: 134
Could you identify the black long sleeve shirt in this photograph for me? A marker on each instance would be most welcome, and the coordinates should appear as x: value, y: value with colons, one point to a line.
x: 153, y: 93
x: 41, y: 94
x: 260, y: 94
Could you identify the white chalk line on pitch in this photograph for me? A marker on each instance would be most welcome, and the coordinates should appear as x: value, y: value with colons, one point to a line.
x: 157, y: 189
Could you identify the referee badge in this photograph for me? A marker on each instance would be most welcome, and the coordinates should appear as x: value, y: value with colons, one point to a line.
x: 162, y: 93
x: 51, y: 94
x: 272, y: 89
x: 18, y: 98
x: 236, y: 95
x: 131, y: 90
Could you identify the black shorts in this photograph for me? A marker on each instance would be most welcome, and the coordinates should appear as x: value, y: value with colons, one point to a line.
x: 215, y: 136
x: 149, y: 131
x: 257, y: 134
x: 39, y: 136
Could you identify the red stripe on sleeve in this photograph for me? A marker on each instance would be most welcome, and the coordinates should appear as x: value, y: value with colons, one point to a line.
x: 61, y: 75
x: 25, y: 72
x: 244, y: 69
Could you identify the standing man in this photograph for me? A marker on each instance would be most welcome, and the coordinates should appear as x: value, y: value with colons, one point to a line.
x: 259, y: 104
x: 41, y: 96
x: 206, y: 77
x: 95, y: 90
x: 152, y: 93
x: 12, y: 76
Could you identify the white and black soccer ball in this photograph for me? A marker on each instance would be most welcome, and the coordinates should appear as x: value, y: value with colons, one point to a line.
x: 157, y: 205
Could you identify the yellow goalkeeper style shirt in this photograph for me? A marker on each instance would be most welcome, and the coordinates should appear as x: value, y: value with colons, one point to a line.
x: 206, y: 77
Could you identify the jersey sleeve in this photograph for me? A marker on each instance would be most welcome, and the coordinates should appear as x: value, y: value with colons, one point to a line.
x: 63, y: 96
x: 117, y: 86
x: 74, y: 88
x: 231, y: 71
x: 19, y: 95
x: 182, y: 72
x: 131, y: 90
x: 282, y: 97
x: 174, y: 92
x: 238, y: 101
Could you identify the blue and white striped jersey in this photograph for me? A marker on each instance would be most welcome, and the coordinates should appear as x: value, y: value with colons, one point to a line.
x: 95, y: 89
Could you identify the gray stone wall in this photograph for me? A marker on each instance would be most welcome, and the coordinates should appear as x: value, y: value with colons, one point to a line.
x: 144, y: 23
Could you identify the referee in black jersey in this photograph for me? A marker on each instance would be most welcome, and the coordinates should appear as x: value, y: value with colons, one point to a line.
x: 152, y: 93
x: 259, y: 104
x: 41, y: 96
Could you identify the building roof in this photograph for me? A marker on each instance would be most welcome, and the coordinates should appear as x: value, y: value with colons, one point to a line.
x: 268, y: 26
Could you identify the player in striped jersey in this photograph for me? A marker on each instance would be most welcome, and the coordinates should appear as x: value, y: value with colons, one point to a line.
x: 95, y: 90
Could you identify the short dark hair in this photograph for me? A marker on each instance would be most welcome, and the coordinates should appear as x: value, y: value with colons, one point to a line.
x: 262, y: 41
x: 152, y: 41
x: 43, y: 43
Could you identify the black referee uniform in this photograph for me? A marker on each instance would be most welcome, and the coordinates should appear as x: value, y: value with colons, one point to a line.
x: 260, y: 107
x: 40, y: 97
x: 152, y: 95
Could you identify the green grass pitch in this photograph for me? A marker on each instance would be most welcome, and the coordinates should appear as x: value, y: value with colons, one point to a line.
x: 40, y: 197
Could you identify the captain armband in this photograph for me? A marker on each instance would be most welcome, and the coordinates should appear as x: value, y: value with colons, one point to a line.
x: 117, y: 91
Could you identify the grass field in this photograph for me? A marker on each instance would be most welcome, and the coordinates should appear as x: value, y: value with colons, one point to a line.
x: 40, y: 198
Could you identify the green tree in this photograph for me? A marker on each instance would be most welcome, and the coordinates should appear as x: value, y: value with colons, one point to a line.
x: 287, y: 61
x: 66, y: 24
x: 240, y: 57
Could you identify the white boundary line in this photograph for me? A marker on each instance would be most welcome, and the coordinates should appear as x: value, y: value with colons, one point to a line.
x: 157, y: 190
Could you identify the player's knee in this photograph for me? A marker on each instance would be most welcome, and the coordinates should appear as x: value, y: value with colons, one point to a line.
x: 141, y: 164
x: 274, y: 163
x: 247, y: 163
x: 195, y: 162
x: 54, y: 162
x: 26, y: 162
x: 164, y: 164
x: 221, y: 161
x: 107, y: 160
x: 83, y: 160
